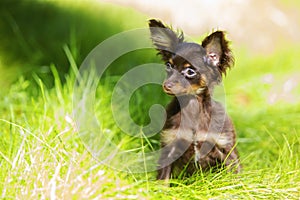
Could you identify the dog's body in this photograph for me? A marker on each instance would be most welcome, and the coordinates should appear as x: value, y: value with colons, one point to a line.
x: 197, y: 134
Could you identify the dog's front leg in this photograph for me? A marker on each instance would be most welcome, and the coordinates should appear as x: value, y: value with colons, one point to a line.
x: 165, y: 163
x: 164, y: 173
x: 169, y: 154
x: 233, y: 162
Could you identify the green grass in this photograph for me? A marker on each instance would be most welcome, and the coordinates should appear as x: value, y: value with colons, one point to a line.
x: 42, y: 156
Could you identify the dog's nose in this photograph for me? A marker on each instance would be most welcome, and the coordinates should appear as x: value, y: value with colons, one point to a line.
x: 168, y: 85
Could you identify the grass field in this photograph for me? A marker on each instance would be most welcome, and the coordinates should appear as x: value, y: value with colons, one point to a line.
x: 42, y: 156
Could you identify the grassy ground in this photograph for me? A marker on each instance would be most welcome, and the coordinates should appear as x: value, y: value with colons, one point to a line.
x: 42, y: 156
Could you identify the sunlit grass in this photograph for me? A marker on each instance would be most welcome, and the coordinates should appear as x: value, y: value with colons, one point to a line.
x: 43, y: 157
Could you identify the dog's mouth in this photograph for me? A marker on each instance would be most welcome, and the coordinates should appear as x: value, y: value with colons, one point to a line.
x: 172, y: 90
x: 178, y: 90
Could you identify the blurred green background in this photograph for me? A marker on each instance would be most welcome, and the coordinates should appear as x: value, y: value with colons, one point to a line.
x: 33, y: 34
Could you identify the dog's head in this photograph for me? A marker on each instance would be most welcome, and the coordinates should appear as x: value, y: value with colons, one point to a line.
x: 191, y: 68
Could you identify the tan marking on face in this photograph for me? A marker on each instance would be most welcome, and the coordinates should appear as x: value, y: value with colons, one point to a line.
x: 202, y: 82
x: 195, y: 89
x: 186, y: 65
x: 176, y: 89
x: 171, y: 61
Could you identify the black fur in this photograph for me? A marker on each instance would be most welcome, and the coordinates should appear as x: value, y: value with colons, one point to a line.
x: 198, y: 133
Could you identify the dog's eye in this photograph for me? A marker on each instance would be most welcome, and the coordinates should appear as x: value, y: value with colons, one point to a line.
x: 189, y: 72
x: 169, y: 67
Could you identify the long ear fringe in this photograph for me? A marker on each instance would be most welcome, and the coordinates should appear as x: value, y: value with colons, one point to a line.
x: 157, y: 23
x: 226, y: 59
x: 164, y: 38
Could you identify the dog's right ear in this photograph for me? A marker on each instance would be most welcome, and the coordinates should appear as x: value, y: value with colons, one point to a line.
x: 164, y: 39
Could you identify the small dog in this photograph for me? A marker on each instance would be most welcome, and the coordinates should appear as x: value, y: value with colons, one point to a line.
x: 198, y: 134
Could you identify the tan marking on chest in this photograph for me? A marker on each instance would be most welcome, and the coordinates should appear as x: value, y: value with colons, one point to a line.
x: 170, y: 135
x: 220, y: 139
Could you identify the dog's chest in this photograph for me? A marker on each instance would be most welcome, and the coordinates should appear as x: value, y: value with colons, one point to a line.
x: 189, y: 124
x: 193, y: 126
x: 189, y: 130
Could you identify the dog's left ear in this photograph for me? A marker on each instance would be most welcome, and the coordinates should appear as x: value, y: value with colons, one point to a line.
x: 218, y: 52
x: 164, y: 39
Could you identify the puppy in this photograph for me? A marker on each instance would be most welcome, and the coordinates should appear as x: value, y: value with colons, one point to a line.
x: 198, y: 134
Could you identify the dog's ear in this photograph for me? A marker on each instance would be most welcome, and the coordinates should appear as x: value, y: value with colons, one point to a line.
x: 218, y: 52
x: 164, y: 39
